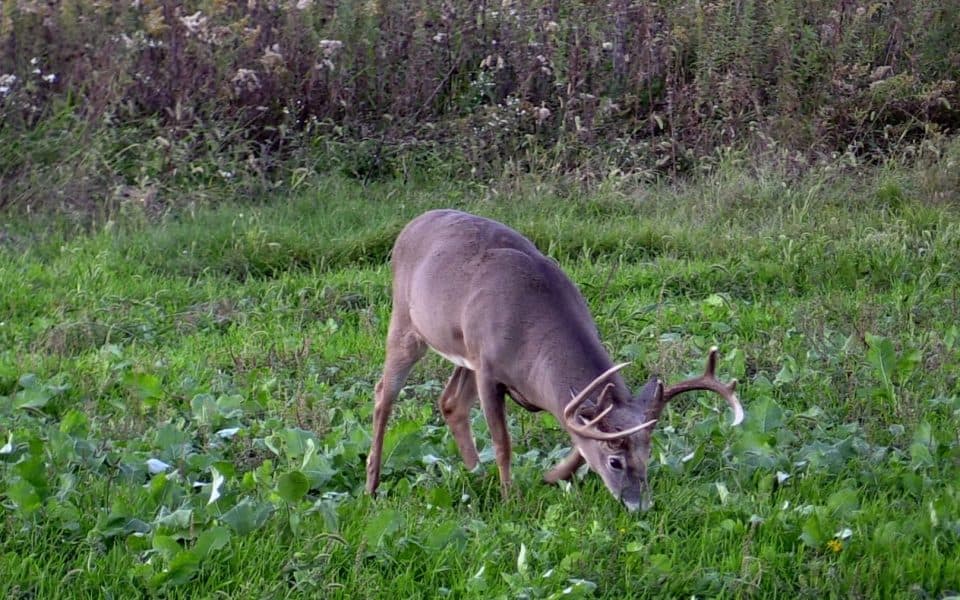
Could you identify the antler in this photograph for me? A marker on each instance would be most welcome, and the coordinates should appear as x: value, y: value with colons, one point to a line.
x: 708, y: 381
x: 588, y: 430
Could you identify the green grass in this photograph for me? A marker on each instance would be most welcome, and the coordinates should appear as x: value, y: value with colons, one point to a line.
x: 834, y: 300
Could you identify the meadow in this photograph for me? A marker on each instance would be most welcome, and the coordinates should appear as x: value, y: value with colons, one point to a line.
x: 197, y: 205
x: 185, y: 401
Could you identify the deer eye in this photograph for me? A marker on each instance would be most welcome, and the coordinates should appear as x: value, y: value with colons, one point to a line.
x: 615, y: 463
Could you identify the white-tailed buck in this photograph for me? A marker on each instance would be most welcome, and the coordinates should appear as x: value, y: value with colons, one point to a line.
x: 482, y: 296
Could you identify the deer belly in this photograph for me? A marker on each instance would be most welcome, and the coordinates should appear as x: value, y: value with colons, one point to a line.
x: 457, y: 360
x: 522, y: 401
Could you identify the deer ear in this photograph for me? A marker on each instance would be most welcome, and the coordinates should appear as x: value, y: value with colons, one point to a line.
x: 588, y: 410
x: 651, y: 399
x: 591, y: 408
x: 648, y: 393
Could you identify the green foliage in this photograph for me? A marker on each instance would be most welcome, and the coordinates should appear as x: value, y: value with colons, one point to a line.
x: 210, y: 438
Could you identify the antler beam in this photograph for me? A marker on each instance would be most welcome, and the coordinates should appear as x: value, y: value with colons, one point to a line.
x: 709, y: 382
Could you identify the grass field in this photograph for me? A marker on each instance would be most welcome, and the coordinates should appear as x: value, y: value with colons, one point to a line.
x: 185, y: 406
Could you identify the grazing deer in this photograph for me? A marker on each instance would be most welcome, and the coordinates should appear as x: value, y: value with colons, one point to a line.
x: 482, y: 296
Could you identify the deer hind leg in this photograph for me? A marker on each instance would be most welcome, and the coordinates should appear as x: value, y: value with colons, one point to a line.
x: 494, y: 410
x: 455, y: 403
x: 404, y: 349
x: 565, y: 468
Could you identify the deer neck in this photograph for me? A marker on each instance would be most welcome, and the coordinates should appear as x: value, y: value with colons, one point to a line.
x: 552, y: 383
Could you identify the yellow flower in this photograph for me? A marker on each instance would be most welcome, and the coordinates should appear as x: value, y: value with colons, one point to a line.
x: 835, y: 545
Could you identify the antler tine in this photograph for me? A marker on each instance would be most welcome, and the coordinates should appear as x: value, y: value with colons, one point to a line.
x: 596, y: 434
x: 588, y: 429
x: 708, y: 381
x: 579, y: 399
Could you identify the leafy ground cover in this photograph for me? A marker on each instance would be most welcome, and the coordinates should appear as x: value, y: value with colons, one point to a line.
x: 185, y: 405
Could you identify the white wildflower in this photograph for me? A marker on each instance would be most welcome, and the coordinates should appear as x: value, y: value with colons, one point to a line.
x: 608, y: 45
x: 6, y: 83
x: 542, y: 114
x: 50, y: 77
x: 330, y: 47
x: 247, y: 79
x: 195, y: 22
x: 304, y: 4
x: 439, y: 37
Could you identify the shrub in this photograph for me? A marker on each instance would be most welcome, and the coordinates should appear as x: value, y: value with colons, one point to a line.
x: 197, y: 92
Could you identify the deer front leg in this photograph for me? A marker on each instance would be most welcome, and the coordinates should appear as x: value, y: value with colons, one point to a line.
x: 404, y: 349
x: 455, y: 403
x: 494, y: 410
x: 565, y: 468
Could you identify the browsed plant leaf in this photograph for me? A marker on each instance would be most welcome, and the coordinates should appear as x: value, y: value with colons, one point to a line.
x: 247, y: 517
x: 446, y: 533
x: 883, y: 359
x: 292, y: 486
x: 382, y: 526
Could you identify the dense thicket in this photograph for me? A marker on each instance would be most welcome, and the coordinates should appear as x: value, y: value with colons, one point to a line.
x: 159, y: 91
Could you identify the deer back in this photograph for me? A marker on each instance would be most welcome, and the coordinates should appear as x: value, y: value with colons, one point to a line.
x: 477, y: 290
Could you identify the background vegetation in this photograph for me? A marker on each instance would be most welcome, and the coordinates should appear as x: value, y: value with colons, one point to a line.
x: 171, y: 102
x: 199, y: 202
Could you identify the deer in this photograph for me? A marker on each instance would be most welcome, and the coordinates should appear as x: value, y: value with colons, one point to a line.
x: 483, y: 297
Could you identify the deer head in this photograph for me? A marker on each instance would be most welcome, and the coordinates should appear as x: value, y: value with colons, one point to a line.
x: 614, y: 437
x: 482, y: 296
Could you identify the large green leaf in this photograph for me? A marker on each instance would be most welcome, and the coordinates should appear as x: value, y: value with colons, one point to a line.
x: 179, y: 520
x: 33, y: 470
x: 765, y: 415
x: 145, y: 385
x: 292, y: 486
x: 883, y: 359
x: 211, y: 540
x: 814, y: 534
x: 25, y: 496
x: 381, y: 526
x: 446, y: 533
x: 32, y: 397
x: 247, y: 517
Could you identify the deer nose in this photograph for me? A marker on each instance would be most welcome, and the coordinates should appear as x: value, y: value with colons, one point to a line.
x: 643, y: 501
